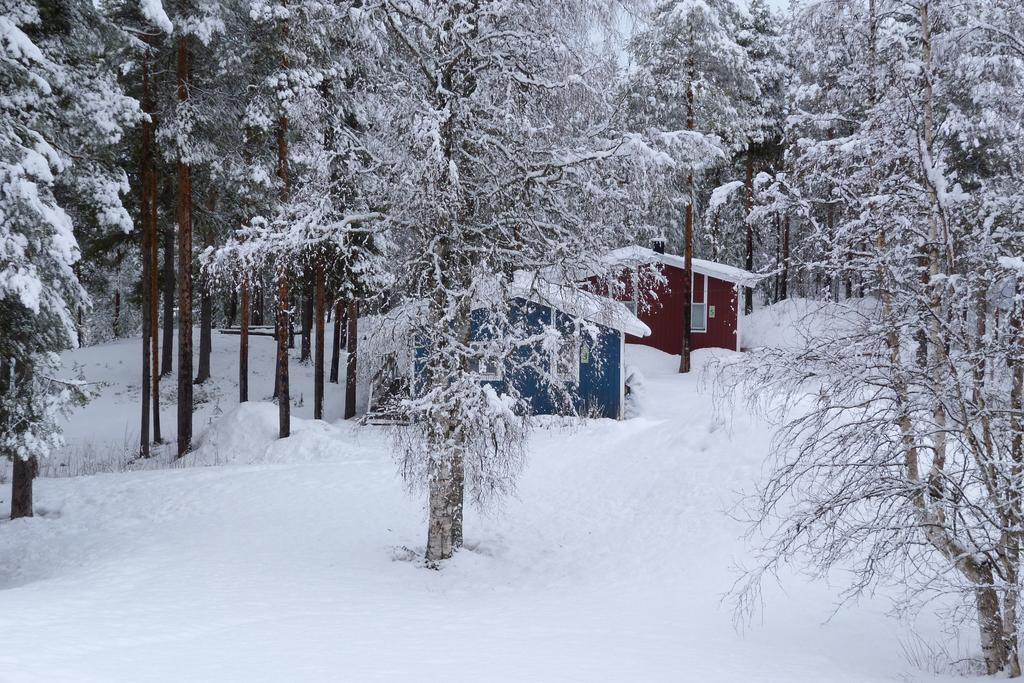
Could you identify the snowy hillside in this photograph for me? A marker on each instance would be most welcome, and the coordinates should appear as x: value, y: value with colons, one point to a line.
x: 300, y: 560
x: 796, y: 322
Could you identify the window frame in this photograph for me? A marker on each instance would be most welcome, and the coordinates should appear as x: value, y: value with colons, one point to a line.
x: 497, y: 376
x: 693, y: 289
x: 564, y: 340
x: 571, y: 344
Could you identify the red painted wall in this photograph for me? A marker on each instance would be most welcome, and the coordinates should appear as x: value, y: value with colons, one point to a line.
x: 663, y: 312
x: 722, y: 328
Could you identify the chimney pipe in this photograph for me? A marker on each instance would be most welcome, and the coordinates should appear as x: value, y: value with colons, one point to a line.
x: 658, y: 245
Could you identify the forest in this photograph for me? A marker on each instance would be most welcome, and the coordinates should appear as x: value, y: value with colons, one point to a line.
x: 396, y: 211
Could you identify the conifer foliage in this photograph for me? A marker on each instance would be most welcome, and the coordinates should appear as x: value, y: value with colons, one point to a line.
x: 61, y: 110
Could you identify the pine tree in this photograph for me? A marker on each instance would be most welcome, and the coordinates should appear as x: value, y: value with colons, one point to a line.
x: 60, y: 113
x: 761, y: 37
x: 692, y: 73
x: 186, y: 133
x: 312, y: 96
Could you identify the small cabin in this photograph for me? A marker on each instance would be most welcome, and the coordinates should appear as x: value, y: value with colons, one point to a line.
x: 652, y: 284
x: 587, y: 357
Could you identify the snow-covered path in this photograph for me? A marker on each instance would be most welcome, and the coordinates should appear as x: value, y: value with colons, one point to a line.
x: 609, y: 565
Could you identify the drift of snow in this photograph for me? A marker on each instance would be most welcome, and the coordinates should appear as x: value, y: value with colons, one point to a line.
x: 299, y: 559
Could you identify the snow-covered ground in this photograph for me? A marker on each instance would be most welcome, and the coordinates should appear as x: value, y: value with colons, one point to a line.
x: 297, y: 560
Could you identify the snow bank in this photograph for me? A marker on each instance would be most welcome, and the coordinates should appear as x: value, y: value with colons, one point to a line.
x: 248, y: 434
x: 608, y: 565
x: 793, y: 323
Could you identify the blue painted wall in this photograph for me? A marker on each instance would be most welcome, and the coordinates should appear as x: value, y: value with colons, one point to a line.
x: 598, y: 392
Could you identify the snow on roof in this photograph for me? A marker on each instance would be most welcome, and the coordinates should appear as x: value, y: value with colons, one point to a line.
x: 635, y: 255
x: 578, y: 303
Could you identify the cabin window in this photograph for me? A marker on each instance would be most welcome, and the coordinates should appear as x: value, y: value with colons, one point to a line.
x: 697, y: 321
x: 487, y: 369
x: 699, y: 309
x: 566, y: 360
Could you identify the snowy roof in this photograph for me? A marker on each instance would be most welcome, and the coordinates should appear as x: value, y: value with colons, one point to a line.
x: 635, y: 255
x: 578, y: 303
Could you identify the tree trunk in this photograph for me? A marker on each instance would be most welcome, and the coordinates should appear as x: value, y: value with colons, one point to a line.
x: 282, y: 393
x: 778, y: 258
x: 748, y: 292
x: 147, y: 338
x: 206, y: 303
x: 350, y: 363
x: 184, y: 271
x: 458, y: 499
x: 232, y: 309
x: 307, y: 323
x: 79, y: 316
x: 1013, y: 542
x: 115, y: 326
x: 205, y: 336
x: 993, y: 637
x: 830, y: 227
x: 169, y: 284
x: 277, y: 337
x: 283, y: 320
x: 336, y: 342
x: 439, y: 528
x: 25, y: 471
x: 848, y: 276
x: 291, y: 327
x: 684, y: 355
x: 14, y: 373
x: 243, y: 343
x: 784, y: 275
x: 318, y: 361
x: 258, y: 317
x: 145, y: 213
x: 154, y: 288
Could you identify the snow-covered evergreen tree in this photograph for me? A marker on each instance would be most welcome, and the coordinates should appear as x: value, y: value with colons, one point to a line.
x: 692, y: 73
x: 305, y: 174
x: 60, y: 111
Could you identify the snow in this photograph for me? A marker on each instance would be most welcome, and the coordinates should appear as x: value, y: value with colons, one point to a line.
x: 298, y: 559
x: 1012, y: 263
x: 16, y: 44
x: 579, y: 303
x: 153, y: 10
x: 720, y: 195
x: 794, y: 323
x: 634, y: 255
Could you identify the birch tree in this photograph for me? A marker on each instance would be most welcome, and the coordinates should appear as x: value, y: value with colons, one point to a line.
x: 900, y: 447
x: 510, y: 164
